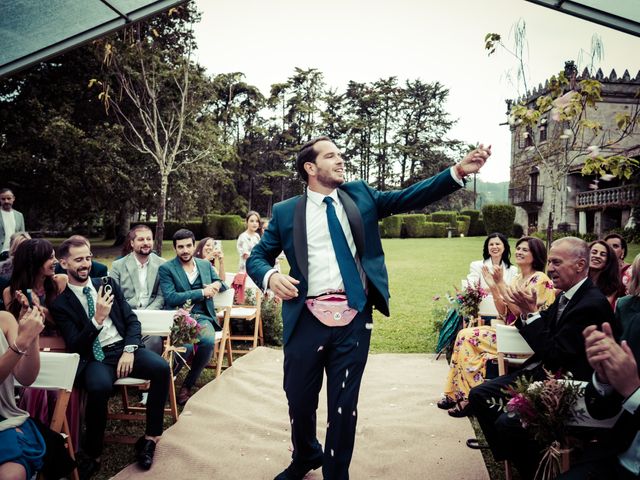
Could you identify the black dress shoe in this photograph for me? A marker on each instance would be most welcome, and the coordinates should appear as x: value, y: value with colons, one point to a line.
x: 297, y: 471
x: 145, y: 449
x: 87, y: 466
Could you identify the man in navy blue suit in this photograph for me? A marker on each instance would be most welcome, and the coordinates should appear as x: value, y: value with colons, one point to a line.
x: 331, y: 239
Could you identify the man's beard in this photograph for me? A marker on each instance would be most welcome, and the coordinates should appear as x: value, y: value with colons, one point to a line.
x: 75, y: 275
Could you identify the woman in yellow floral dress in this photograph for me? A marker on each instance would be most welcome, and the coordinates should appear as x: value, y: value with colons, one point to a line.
x: 475, y: 346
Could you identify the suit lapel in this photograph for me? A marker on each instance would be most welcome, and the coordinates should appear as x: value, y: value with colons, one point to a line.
x: 573, y: 301
x: 132, y: 268
x: 300, y: 246
x: 180, y: 273
x: 355, y: 221
x: 205, y: 273
x: 152, y: 273
x: 80, y: 314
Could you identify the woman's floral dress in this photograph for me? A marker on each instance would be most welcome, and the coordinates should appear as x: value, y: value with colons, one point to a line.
x: 474, y: 346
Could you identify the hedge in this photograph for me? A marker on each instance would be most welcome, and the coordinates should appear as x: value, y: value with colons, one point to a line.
x: 414, y: 225
x: 440, y: 229
x: 224, y: 227
x: 464, y: 222
x: 499, y: 218
x: 391, y: 227
x: 476, y: 227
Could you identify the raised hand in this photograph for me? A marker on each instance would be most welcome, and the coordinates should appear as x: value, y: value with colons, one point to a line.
x: 29, y: 327
x: 103, y: 305
x: 475, y: 159
x: 488, y: 277
x: 283, y: 286
x: 524, y: 299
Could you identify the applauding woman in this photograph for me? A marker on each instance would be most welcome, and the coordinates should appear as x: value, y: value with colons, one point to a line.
x: 23, y: 447
x: 475, y: 346
x: 496, y: 254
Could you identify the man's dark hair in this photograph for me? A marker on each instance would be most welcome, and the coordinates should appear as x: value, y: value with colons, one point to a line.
x: 307, y: 153
x: 5, y: 190
x: 623, y: 242
x: 72, y: 241
x: 183, y: 234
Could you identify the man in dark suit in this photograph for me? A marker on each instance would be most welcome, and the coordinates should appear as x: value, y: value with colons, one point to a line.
x: 186, y: 278
x: 97, y: 323
x: 331, y: 240
x: 555, y: 336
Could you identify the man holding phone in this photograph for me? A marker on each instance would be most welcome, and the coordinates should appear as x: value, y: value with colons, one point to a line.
x: 97, y: 322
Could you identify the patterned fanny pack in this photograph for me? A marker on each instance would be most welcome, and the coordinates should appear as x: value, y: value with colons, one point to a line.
x: 332, y: 309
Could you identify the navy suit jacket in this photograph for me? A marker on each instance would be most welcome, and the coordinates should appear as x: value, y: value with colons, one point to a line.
x: 364, y: 207
x: 79, y: 332
x: 177, y: 290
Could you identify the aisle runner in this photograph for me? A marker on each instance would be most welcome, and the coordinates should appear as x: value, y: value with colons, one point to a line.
x: 235, y: 428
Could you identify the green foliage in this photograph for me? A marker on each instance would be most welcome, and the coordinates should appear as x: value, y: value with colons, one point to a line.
x: 499, y: 218
x: 271, y: 313
x: 211, y: 225
x: 464, y: 222
x: 414, y: 225
x: 170, y: 228
x: 231, y: 226
x: 518, y: 231
x: 391, y: 227
x: 476, y: 225
x: 448, y: 217
x: 440, y: 229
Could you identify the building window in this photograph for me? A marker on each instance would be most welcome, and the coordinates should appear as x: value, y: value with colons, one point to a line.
x: 543, y: 133
x: 526, y: 138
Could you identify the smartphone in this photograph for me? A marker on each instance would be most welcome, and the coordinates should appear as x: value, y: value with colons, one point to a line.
x: 217, y: 246
x: 106, y: 285
x: 27, y: 293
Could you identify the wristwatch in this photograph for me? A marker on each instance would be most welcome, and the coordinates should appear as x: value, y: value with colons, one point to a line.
x: 130, y: 348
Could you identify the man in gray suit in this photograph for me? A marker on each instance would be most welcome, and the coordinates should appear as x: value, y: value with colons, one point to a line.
x: 137, y: 276
x: 137, y: 273
x: 11, y: 221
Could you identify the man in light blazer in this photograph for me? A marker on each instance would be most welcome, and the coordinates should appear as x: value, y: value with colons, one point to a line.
x: 186, y: 278
x: 137, y: 276
x: 137, y: 273
x: 334, y: 226
x: 11, y: 221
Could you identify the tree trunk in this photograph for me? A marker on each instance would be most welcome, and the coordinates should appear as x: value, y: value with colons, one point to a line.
x: 162, y: 204
x: 123, y: 223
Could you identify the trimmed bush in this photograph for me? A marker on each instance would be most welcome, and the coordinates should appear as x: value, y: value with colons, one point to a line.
x: 476, y: 226
x: 391, y: 226
x: 440, y: 229
x: 464, y: 222
x: 211, y: 225
x: 449, y: 217
x: 499, y: 218
x: 429, y: 229
x: 231, y: 226
x: 414, y: 225
x: 518, y: 230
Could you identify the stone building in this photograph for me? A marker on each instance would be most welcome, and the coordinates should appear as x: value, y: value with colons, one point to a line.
x: 582, y: 203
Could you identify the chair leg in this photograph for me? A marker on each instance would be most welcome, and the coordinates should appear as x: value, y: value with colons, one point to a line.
x: 260, y: 332
x: 507, y: 470
x: 72, y: 454
x: 173, y: 404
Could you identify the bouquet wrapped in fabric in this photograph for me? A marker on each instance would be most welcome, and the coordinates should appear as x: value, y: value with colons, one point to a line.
x: 547, y: 409
x: 469, y: 298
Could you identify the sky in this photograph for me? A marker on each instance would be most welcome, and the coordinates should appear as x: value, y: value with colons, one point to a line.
x: 365, y: 40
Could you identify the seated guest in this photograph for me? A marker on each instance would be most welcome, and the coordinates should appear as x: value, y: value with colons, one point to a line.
x: 98, y: 270
x: 137, y: 276
x: 614, y: 389
x: 6, y: 267
x: 475, y: 346
x: 496, y: 253
x: 23, y: 448
x: 555, y: 336
x: 619, y: 245
x: 604, y: 271
x: 628, y: 307
x: 186, y: 278
x: 97, y: 323
x: 211, y: 251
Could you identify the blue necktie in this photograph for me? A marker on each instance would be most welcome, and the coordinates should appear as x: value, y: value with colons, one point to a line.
x: 348, y: 269
x: 96, y: 347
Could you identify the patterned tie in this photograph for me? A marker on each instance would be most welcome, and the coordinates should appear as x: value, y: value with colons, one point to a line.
x: 348, y: 269
x: 562, y: 303
x: 97, y: 349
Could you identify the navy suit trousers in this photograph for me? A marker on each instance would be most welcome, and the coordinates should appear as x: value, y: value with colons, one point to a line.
x: 341, y: 352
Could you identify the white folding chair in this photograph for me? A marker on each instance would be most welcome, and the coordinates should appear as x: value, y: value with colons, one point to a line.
x: 57, y: 372
x: 223, y: 303
x: 247, y: 313
x: 153, y: 323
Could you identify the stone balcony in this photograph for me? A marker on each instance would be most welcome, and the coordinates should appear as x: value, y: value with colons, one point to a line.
x: 526, y: 196
x: 625, y: 196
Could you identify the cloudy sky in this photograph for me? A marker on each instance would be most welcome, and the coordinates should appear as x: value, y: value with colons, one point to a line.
x: 364, y: 40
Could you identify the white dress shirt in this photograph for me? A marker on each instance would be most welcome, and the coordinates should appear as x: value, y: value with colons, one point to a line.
x: 108, y: 331
x: 9, y: 220
x: 143, y: 270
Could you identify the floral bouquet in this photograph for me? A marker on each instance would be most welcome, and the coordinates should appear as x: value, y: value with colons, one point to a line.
x: 469, y: 298
x: 545, y: 408
x: 184, y: 330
